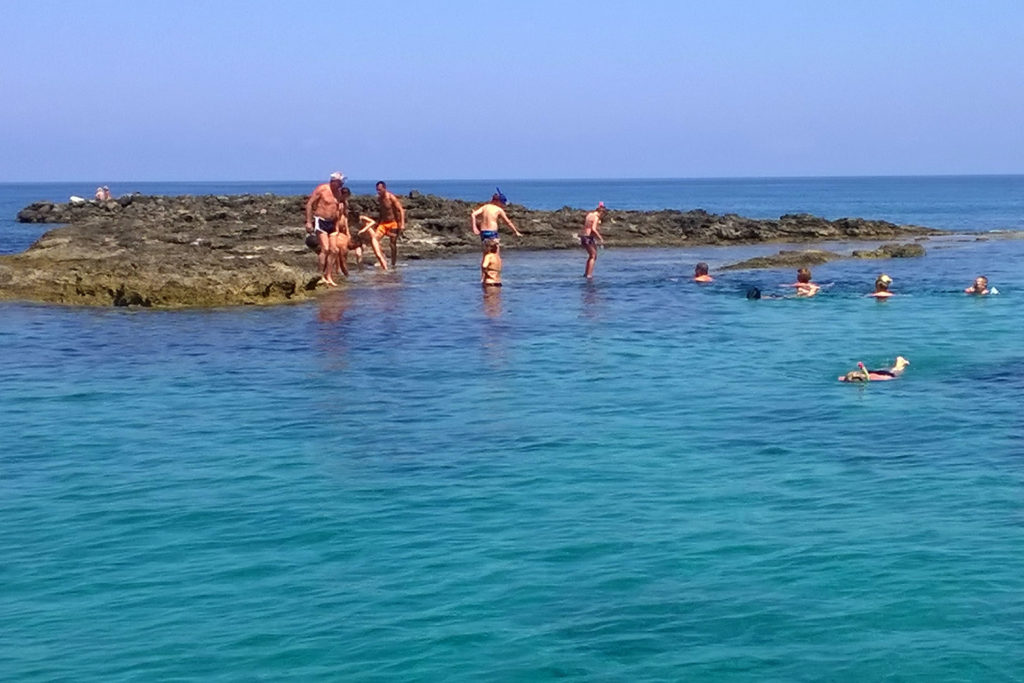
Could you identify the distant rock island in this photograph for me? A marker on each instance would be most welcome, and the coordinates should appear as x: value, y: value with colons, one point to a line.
x: 186, y: 251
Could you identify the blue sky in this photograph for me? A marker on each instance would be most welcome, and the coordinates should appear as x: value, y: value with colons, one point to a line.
x: 257, y: 90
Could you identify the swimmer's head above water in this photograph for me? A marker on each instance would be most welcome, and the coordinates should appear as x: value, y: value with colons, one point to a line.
x: 980, y: 286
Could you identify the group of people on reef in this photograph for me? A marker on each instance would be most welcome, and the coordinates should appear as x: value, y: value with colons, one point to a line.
x: 330, y: 224
x: 330, y: 227
x: 102, y: 194
x: 332, y: 232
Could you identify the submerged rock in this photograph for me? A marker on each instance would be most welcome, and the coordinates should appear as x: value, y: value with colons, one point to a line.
x: 892, y: 251
x: 814, y: 257
x: 787, y: 259
x: 222, y: 250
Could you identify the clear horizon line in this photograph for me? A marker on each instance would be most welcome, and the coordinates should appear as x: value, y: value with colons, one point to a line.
x: 533, y: 179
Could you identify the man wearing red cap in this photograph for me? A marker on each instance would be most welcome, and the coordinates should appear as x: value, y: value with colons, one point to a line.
x: 590, y: 236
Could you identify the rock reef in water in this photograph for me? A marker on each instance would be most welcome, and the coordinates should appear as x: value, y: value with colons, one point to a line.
x: 801, y: 258
x: 792, y: 258
x: 892, y: 251
x: 249, y: 249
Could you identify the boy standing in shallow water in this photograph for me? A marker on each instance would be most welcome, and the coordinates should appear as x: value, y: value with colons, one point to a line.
x: 490, y: 266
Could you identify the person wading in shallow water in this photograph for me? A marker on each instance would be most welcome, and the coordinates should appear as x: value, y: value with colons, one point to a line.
x: 489, y: 214
x: 323, y: 219
x: 391, y: 222
x: 590, y: 236
x: 484, y: 221
x: 490, y: 266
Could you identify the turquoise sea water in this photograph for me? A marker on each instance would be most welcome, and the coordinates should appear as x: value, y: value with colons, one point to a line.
x: 630, y: 479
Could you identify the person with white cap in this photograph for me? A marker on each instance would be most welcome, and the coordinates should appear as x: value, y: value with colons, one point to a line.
x: 882, y: 287
x: 324, y: 221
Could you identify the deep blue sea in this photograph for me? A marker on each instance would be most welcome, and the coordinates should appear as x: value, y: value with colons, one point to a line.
x: 630, y: 479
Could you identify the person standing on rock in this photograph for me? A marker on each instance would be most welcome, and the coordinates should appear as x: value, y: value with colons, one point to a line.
x: 391, y: 222
x: 590, y: 236
x: 323, y: 219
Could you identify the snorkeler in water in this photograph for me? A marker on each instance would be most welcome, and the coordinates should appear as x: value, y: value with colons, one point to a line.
x: 862, y: 374
x: 755, y: 293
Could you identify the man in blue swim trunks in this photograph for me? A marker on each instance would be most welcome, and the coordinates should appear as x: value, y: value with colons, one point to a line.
x: 489, y: 215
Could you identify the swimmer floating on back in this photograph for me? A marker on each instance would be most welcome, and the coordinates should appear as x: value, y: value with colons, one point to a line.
x: 862, y: 374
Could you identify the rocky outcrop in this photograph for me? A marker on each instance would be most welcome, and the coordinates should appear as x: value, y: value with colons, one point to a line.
x: 804, y: 258
x: 892, y: 251
x: 249, y: 249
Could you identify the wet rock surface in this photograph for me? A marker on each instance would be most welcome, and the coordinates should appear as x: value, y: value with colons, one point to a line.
x: 787, y: 259
x: 892, y: 251
x: 249, y: 249
x: 800, y: 258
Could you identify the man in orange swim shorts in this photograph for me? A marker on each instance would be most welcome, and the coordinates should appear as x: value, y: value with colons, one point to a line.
x: 392, y: 219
